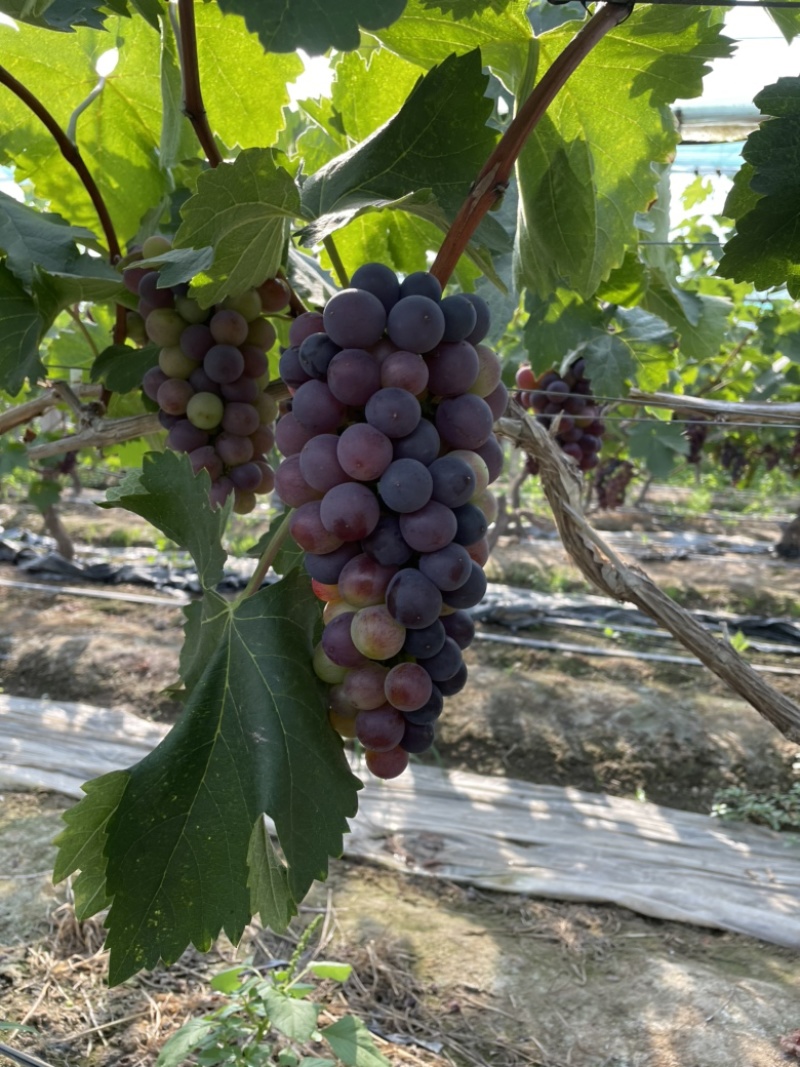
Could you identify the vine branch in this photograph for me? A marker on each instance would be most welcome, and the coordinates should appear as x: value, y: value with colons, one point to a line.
x: 71, y: 154
x: 598, y: 563
x: 99, y: 433
x: 493, y: 179
x: 32, y: 409
x: 718, y: 410
x: 193, y: 107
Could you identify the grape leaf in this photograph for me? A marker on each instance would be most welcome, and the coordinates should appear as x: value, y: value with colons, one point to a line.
x: 88, y: 278
x: 369, y: 89
x: 205, y: 624
x: 431, y: 30
x: 268, y: 881
x: 586, y: 170
x: 20, y: 328
x: 242, y: 210
x: 786, y: 19
x: 166, y: 493
x: 352, y: 1042
x: 701, y: 321
x: 659, y: 444
x: 313, y: 25
x: 61, y: 15
x: 244, y: 90
x: 32, y: 238
x: 438, y: 140
x: 121, y: 367
x: 253, y: 739
x: 119, y: 133
x: 81, y: 845
x: 765, y: 249
x: 179, y: 264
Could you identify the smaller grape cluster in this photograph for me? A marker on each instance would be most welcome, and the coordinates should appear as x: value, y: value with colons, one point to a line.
x: 211, y: 377
x: 389, y: 454
x: 611, y: 480
x: 695, y: 431
x: 568, y: 399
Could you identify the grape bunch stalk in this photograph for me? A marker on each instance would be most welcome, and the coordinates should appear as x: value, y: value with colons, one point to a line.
x: 389, y: 452
x: 565, y: 404
x: 211, y: 377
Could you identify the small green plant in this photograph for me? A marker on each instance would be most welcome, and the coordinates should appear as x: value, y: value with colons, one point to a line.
x: 244, y: 1031
x: 779, y: 811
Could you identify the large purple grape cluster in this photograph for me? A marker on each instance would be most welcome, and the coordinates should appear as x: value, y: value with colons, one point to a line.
x: 568, y: 399
x: 211, y: 378
x: 389, y: 454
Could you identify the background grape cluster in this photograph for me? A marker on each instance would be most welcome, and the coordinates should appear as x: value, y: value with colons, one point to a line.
x: 211, y: 377
x: 568, y: 399
x: 611, y: 481
x: 389, y: 454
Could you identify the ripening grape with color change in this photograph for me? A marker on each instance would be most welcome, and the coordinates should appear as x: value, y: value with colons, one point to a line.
x: 568, y: 399
x: 211, y: 377
x: 389, y: 452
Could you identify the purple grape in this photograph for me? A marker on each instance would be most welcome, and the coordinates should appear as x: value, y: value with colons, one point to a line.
x: 417, y: 738
x: 195, y: 342
x: 428, y: 713
x: 350, y: 511
x: 247, y: 477
x: 240, y: 419
x: 309, y: 533
x: 132, y: 277
x: 460, y: 318
x: 413, y: 600
x: 452, y: 369
x: 379, y: 280
x: 405, y: 486
x: 319, y: 464
x: 149, y: 290
x: 416, y: 324
x: 497, y: 401
x: 315, y: 353
x: 453, y: 481
x: 460, y: 626
x: 353, y: 376
x: 327, y: 567
x: 233, y: 448
x: 404, y: 370
x: 386, y: 543
x: 152, y: 381
x: 206, y: 459
x: 291, y: 486
x: 445, y: 664
x: 168, y: 421
x: 426, y: 642
x: 470, y: 593
x: 464, y: 421
x: 421, y: 283
x: 303, y: 326
x: 471, y: 524
x: 492, y: 455
x: 337, y: 643
x: 363, y: 452
x: 223, y: 363
x: 243, y: 390
x: 455, y: 684
x: 394, y: 412
x: 228, y: 327
x: 316, y: 408
x: 423, y: 443
x: 220, y: 491
x: 256, y: 363
x: 291, y: 369
x: 174, y: 395
x: 290, y: 436
x: 354, y: 318
x: 484, y: 317
x: 430, y: 528
x: 201, y: 383
x: 448, y: 568
x: 183, y: 437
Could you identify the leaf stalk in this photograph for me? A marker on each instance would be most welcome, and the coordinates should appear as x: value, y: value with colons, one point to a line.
x: 493, y: 179
x: 267, y: 558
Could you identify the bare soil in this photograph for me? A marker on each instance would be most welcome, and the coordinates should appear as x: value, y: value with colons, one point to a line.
x: 483, y: 979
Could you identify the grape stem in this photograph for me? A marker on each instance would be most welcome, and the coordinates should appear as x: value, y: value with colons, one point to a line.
x: 336, y: 261
x: 268, y: 557
x: 193, y: 107
x: 71, y: 154
x: 492, y: 181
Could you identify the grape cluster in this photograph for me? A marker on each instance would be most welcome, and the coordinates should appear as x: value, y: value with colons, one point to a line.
x: 733, y: 459
x: 568, y: 399
x: 695, y: 431
x: 211, y: 377
x: 389, y: 453
x: 611, y: 480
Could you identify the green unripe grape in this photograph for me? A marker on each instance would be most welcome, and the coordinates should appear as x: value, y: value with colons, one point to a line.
x: 267, y: 408
x: 155, y: 246
x: 134, y: 327
x: 174, y: 364
x: 263, y: 381
x: 325, y: 669
x: 205, y: 411
x: 487, y: 502
x: 247, y: 304
x: 165, y: 326
x: 488, y: 373
x: 190, y: 310
x: 261, y: 334
x: 243, y: 501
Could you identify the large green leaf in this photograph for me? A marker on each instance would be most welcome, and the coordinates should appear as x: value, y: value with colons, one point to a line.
x: 33, y: 238
x: 587, y: 169
x: 313, y: 25
x: 438, y: 141
x: 253, y: 739
x: 369, y: 89
x: 81, y: 845
x: 431, y: 30
x: 242, y: 210
x: 20, y: 329
x: 61, y: 15
x: 118, y: 134
x: 765, y: 249
x: 122, y: 367
x: 270, y: 897
x: 244, y: 90
x: 659, y: 444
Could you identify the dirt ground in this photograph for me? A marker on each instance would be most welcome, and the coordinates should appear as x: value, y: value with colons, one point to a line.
x: 478, y: 978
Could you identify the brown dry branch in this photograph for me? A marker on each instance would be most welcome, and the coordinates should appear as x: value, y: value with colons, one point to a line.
x: 718, y: 410
x: 598, y: 563
x: 99, y: 433
x: 32, y: 409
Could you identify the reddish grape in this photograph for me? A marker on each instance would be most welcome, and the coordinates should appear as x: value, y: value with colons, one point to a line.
x: 386, y: 765
x: 381, y: 729
x: 408, y: 686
